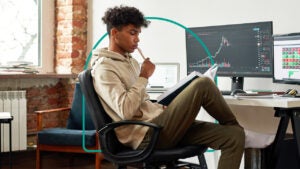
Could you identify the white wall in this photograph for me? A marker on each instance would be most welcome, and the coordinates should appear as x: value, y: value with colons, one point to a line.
x: 165, y: 42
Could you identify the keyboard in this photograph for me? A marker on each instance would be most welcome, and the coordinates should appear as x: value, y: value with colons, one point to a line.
x: 254, y: 94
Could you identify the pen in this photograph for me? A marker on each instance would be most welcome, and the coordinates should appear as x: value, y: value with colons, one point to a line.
x: 141, y: 53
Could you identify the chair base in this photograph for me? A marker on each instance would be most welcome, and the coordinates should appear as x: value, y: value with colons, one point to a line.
x: 171, y: 165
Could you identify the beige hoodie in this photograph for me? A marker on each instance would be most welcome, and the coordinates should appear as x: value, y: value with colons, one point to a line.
x: 123, y: 93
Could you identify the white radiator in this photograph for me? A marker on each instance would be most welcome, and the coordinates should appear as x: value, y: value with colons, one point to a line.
x: 15, y: 103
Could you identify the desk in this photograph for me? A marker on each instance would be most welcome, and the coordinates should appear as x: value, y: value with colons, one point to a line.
x: 283, y: 102
x: 7, y: 121
x: 285, y: 108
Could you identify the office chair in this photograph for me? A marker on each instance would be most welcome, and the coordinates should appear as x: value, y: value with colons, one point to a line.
x: 123, y: 156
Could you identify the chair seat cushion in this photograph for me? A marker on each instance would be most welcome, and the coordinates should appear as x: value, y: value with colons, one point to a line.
x: 64, y: 136
x: 176, y: 153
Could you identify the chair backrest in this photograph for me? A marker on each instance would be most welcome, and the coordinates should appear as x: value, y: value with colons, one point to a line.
x: 75, y: 117
x: 97, y: 112
x: 93, y: 104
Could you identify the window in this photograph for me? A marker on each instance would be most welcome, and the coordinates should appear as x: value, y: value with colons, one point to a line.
x: 19, y: 35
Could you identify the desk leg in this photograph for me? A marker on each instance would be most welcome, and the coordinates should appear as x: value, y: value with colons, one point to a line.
x: 10, y: 146
x: 295, y: 118
x: 280, y: 134
x: 0, y: 146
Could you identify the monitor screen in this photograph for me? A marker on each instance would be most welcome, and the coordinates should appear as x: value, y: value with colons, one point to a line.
x: 240, y: 50
x: 287, y: 59
x: 166, y: 75
x: 244, y: 50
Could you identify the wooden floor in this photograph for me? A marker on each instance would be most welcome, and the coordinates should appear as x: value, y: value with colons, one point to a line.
x: 51, y: 160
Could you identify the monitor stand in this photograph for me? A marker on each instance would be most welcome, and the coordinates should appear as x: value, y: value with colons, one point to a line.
x: 237, y: 83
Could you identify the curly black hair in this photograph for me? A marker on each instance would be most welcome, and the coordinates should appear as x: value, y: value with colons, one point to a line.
x: 118, y: 17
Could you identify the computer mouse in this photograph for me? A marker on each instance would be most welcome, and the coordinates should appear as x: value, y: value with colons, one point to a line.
x: 235, y: 91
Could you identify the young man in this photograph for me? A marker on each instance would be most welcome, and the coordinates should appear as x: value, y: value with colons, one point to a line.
x: 121, y: 87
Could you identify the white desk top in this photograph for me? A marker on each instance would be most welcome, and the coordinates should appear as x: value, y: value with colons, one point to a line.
x: 283, y: 102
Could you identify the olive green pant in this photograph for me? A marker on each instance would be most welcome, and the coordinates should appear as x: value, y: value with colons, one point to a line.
x: 181, y: 128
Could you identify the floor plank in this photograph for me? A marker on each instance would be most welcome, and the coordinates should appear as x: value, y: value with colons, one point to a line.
x: 51, y: 160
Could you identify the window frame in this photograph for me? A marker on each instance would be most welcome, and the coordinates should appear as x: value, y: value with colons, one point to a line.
x: 47, y: 28
x: 45, y: 35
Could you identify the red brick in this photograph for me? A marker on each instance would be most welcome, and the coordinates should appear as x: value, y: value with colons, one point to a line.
x: 75, y: 54
x: 79, y: 24
x: 80, y: 2
x: 51, y: 91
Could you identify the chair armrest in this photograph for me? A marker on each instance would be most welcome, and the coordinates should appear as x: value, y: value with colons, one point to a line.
x: 52, y: 110
x: 138, y: 155
x: 40, y: 113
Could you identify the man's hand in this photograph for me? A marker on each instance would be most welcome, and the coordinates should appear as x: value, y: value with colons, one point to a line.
x: 147, y: 68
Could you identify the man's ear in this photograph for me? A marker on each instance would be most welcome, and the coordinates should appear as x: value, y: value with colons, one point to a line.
x: 114, y: 32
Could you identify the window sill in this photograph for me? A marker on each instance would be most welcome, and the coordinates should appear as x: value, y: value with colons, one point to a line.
x: 36, y: 75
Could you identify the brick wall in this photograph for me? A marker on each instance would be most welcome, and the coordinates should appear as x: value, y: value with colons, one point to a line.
x: 41, y: 94
x: 71, y: 35
x: 55, y: 95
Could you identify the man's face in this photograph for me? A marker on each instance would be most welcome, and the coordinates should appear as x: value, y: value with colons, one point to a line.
x: 126, y: 39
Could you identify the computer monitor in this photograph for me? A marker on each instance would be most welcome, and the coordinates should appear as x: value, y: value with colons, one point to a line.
x: 287, y: 59
x: 165, y: 76
x: 240, y: 50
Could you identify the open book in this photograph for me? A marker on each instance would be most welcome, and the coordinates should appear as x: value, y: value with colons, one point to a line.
x: 171, y: 93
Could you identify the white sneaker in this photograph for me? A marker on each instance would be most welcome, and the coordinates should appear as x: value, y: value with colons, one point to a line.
x: 258, y: 140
